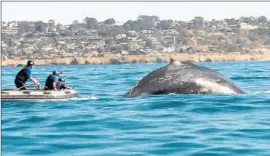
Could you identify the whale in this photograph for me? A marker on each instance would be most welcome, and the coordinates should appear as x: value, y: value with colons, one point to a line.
x: 183, y: 77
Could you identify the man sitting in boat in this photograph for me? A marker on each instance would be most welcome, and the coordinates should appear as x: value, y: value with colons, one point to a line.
x: 61, y: 84
x: 25, y: 74
x: 51, y: 81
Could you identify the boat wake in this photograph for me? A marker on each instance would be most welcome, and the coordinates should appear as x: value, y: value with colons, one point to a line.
x: 266, y: 92
x: 86, y: 98
x: 92, y: 97
x: 260, y: 92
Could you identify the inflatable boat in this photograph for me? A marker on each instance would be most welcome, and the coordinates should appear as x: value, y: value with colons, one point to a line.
x: 36, y: 95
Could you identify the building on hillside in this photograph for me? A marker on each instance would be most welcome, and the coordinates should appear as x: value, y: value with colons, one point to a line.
x: 10, y: 31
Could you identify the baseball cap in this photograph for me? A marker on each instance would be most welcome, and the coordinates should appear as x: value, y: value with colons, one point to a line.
x: 29, y: 63
x: 56, y: 73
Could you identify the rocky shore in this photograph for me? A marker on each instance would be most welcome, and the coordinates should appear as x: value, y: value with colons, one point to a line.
x: 155, y: 58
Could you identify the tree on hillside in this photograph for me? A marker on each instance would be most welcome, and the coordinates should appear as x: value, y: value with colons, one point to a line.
x: 91, y: 23
x: 132, y: 25
x: 100, y: 50
x: 147, y: 22
x: 102, y: 30
x: 165, y: 24
x: 231, y: 21
x: 149, y: 43
x: 148, y: 18
x: 75, y: 25
x: 115, y: 30
x: 23, y: 26
x: 58, y: 26
x: 109, y: 21
x: 250, y: 20
x: 253, y: 36
x: 198, y: 21
x: 262, y: 19
x: 259, y: 31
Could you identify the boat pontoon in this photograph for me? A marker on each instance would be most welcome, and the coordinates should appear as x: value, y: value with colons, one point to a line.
x: 34, y: 94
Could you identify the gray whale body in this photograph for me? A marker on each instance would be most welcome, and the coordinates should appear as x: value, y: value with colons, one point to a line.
x: 183, y: 78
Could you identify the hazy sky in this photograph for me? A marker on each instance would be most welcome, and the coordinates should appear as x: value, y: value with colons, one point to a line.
x: 66, y: 12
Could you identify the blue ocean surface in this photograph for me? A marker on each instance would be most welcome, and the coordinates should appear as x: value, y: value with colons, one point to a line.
x: 101, y: 122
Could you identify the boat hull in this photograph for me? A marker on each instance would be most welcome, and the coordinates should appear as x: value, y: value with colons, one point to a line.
x: 36, y: 95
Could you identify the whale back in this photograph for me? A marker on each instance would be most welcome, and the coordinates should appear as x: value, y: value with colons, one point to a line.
x: 183, y: 78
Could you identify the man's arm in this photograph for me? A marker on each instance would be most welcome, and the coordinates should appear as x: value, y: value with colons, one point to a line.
x: 54, y: 85
x: 34, y: 80
x: 65, y: 86
x: 54, y: 82
x: 29, y: 74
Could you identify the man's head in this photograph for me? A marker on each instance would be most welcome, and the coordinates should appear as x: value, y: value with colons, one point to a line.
x: 61, y: 80
x: 56, y: 73
x: 30, y: 63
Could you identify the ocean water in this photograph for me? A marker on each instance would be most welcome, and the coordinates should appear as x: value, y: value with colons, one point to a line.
x: 100, y: 122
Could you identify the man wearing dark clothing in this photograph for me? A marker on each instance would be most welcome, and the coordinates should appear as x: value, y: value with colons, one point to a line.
x: 51, y: 81
x: 61, y: 84
x: 25, y: 74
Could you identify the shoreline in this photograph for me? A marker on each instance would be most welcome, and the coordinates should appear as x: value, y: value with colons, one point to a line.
x: 153, y: 58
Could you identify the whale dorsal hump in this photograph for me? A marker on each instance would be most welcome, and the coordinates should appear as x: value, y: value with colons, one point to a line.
x: 172, y: 60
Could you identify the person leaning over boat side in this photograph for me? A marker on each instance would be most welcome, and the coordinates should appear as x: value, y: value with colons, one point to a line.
x: 61, y: 84
x: 51, y: 81
x: 25, y: 74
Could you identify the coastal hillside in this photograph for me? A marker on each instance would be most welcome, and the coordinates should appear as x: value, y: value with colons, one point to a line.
x: 147, y: 39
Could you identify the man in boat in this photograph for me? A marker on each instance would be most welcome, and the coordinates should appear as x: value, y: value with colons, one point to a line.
x: 25, y: 74
x: 51, y: 81
x: 61, y: 84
